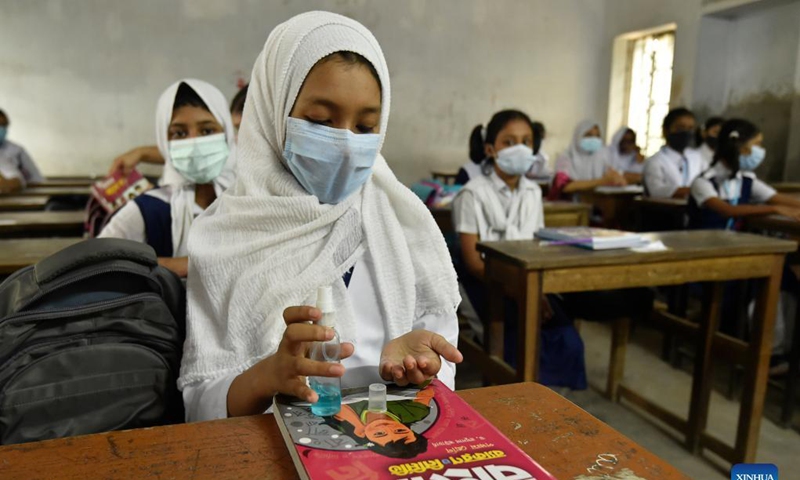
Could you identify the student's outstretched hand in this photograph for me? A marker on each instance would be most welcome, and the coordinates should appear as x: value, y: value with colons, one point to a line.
x: 286, y: 370
x: 128, y: 161
x: 790, y: 212
x: 614, y: 178
x: 415, y: 357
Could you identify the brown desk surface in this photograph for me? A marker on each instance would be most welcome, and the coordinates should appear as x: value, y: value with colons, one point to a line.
x: 787, y: 187
x: 16, y: 254
x: 20, y: 203
x: 662, y: 202
x: 64, y: 182
x: 54, y: 191
x: 564, y: 439
x: 682, y: 245
x: 28, y: 221
x: 776, y: 223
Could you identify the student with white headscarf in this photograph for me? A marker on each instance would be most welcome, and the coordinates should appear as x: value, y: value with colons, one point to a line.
x: 314, y: 205
x: 625, y: 155
x: 586, y: 164
x: 195, y: 136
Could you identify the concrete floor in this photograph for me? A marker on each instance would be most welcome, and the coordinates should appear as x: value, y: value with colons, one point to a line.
x: 656, y: 379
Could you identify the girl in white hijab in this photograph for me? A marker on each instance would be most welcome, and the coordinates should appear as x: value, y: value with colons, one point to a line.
x: 586, y: 164
x: 314, y: 204
x: 196, y: 137
x: 625, y: 155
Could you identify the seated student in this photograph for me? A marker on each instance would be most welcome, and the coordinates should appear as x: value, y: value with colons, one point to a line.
x: 670, y: 172
x: 729, y: 190
x: 16, y: 167
x: 196, y: 136
x: 502, y: 204
x: 151, y: 154
x: 706, y: 137
x: 585, y: 165
x: 626, y: 156
x: 314, y: 204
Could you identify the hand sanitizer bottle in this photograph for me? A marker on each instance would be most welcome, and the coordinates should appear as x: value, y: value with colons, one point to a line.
x: 329, y: 389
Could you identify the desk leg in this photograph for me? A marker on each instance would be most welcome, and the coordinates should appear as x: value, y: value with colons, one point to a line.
x: 621, y: 328
x: 529, y: 307
x: 790, y: 395
x: 757, y: 365
x: 493, y: 335
x: 702, y: 380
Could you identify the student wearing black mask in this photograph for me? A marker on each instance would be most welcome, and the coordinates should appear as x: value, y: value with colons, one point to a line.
x: 670, y: 172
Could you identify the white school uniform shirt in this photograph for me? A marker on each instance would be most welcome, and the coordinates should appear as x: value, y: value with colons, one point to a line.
x: 729, y: 187
x: 128, y: 222
x: 16, y: 163
x: 521, y: 211
x: 208, y: 400
x: 707, y: 155
x: 668, y: 170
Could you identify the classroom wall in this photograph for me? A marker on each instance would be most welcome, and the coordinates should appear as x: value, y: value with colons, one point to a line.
x: 747, y: 66
x: 80, y: 79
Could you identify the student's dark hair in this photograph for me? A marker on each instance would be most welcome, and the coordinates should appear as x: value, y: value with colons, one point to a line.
x: 3, y: 114
x: 733, y: 134
x: 400, y: 449
x: 674, y: 115
x: 237, y: 104
x: 352, y: 58
x: 538, y: 136
x: 710, y: 123
x: 477, y: 141
x: 187, y: 96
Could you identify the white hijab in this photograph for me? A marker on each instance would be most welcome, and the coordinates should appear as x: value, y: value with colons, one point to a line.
x: 267, y: 244
x: 579, y: 164
x: 623, y: 162
x: 181, y: 190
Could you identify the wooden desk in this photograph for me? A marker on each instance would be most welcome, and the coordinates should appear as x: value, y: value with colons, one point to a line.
x: 524, y: 271
x: 38, y: 224
x: 64, y: 182
x: 787, y: 187
x: 616, y: 207
x: 16, y: 254
x: 564, y: 439
x: 16, y: 203
x: 556, y: 214
x: 660, y: 214
x: 55, y: 191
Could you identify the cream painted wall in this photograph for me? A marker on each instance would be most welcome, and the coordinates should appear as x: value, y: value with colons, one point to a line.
x: 80, y: 78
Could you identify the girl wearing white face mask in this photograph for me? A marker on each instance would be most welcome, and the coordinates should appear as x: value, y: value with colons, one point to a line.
x: 586, y: 164
x: 195, y: 136
x: 730, y: 190
x: 502, y: 204
x: 314, y: 204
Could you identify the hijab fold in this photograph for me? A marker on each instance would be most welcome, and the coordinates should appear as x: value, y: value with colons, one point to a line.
x: 579, y: 164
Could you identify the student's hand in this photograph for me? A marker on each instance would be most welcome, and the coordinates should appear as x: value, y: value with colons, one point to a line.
x: 415, y: 357
x: 790, y: 212
x: 639, y: 157
x: 126, y: 162
x: 285, y: 371
x: 614, y: 178
x: 179, y: 265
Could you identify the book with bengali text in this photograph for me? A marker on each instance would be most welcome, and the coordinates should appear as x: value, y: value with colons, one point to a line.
x: 592, y: 238
x: 425, y: 434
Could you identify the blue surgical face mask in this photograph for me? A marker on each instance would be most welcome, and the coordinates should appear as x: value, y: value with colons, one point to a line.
x: 516, y: 160
x: 330, y: 163
x: 201, y: 159
x: 3, y: 132
x: 752, y: 160
x: 590, y: 144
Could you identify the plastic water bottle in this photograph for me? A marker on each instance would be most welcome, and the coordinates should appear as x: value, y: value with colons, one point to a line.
x: 329, y: 389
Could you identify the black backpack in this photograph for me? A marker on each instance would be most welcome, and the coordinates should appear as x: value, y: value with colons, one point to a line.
x: 90, y: 341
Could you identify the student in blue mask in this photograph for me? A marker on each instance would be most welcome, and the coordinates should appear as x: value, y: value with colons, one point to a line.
x: 195, y: 135
x: 586, y: 164
x: 670, y: 171
x: 314, y: 204
x: 500, y: 203
x: 16, y: 167
x: 730, y: 190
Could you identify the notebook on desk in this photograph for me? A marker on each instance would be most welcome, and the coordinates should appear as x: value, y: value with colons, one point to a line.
x: 626, y: 189
x: 592, y: 238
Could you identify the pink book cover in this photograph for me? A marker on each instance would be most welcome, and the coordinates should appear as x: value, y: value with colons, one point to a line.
x: 425, y: 434
x: 115, y: 190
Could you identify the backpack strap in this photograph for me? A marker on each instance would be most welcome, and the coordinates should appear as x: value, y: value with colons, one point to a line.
x: 157, y: 223
x: 747, y: 190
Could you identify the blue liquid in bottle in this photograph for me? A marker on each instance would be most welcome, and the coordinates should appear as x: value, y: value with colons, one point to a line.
x: 329, y: 389
x: 330, y: 398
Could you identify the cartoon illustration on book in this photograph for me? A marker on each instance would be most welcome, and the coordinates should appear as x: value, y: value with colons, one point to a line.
x: 397, y: 432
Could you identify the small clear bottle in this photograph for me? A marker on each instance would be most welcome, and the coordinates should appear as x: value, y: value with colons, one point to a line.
x: 329, y: 389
